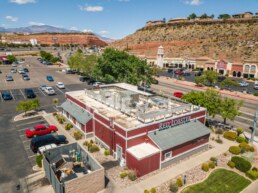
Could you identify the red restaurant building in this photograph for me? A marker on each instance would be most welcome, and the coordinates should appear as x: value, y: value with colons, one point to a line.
x: 146, y: 132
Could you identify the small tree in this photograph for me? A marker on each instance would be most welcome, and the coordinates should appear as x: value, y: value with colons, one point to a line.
x: 192, y: 16
x: 24, y: 106
x: 11, y: 58
x: 224, y: 16
x: 55, y: 101
x: 35, y: 104
x: 229, y: 108
x: 239, y: 131
x: 228, y: 82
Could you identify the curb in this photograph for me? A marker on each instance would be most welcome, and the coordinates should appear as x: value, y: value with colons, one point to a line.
x: 17, y: 118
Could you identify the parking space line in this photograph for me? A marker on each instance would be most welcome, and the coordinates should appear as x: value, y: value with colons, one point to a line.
x: 59, y: 89
x: 22, y: 94
x: 22, y: 130
x: 32, y: 156
x: 41, y: 91
x: 29, y: 123
x: 25, y: 141
x: 67, y: 89
x: 12, y: 95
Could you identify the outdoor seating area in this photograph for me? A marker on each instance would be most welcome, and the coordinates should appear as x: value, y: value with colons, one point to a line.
x: 69, y: 165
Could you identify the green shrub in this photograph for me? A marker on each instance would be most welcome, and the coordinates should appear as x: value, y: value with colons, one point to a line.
x: 240, y: 139
x: 235, y: 150
x: 54, y: 113
x: 153, y: 190
x: 205, y: 167
x: 230, y: 135
x: 231, y: 164
x: 241, y: 164
x: 179, y: 182
x: 93, y: 148
x: 77, y: 135
x: 256, y: 94
x: 252, y: 174
x: 123, y: 175
x: 68, y: 126
x: 218, y: 140
x: 173, y: 187
x: 213, y: 159
x: 107, y: 152
x: 211, y: 164
x: 255, y: 169
x: 246, y: 147
x: 132, y: 175
x: 91, y: 141
x: 39, y: 159
x: 146, y: 191
x: 60, y: 119
x: 86, y: 143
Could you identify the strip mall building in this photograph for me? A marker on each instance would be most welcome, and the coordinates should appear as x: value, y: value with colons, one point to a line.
x: 145, y: 132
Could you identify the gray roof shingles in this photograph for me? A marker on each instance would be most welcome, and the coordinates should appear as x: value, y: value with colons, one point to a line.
x: 178, y: 135
x: 77, y: 112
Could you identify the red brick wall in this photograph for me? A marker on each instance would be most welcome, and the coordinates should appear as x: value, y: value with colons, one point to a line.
x: 237, y: 68
x: 76, y: 101
x: 143, y: 166
x: 156, y: 126
x: 102, y: 119
x: 186, y: 146
x: 119, y: 130
x: 121, y: 142
x: 103, y: 133
x: 89, y: 126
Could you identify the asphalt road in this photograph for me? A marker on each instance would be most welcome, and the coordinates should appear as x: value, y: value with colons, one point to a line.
x: 192, y: 77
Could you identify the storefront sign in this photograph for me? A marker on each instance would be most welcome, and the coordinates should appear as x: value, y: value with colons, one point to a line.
x: 221, y: 65
x: 173, y: 123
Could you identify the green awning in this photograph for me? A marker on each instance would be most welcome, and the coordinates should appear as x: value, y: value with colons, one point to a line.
x: 81, y: 115
x: 177, y: 135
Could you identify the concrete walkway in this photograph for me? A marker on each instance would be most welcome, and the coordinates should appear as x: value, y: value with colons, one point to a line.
x: 252, y: 188
x: 180, y: 168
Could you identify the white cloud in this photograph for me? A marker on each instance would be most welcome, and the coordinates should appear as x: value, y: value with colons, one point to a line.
x: 193, y: 2
x: 73, y: 28
x: 11, y: 18
x: 91, y: 8
x: 87, y: 30
x: 20, y: 2
x: 35, y: 23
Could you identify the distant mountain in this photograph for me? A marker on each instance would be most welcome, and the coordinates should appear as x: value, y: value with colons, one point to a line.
x: 35, y: 29
x: 38, y: 29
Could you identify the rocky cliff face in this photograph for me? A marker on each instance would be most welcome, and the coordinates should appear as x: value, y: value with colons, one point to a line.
x: 61, y: 38
x: 233, y: 40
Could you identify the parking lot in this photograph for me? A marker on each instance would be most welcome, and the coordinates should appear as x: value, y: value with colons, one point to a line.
x: 21, y: 126
x: 37, y: 73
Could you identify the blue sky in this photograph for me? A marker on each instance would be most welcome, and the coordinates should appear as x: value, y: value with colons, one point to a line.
x: 111, y: 18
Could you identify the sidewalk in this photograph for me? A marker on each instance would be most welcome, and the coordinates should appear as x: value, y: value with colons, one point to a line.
x: 252, y: 188
x: 180, y: 168
x: 192, y: 85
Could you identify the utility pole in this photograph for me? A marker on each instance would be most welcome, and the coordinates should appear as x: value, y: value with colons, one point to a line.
x: 254, y: 125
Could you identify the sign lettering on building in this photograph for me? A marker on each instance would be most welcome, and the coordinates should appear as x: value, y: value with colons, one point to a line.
x: 172, y: 123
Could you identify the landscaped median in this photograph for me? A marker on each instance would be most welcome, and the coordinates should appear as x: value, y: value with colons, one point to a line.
x: 220, y: 180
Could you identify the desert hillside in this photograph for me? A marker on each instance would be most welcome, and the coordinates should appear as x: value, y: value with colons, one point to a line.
x: 229, y: 39
x: 61, y: 38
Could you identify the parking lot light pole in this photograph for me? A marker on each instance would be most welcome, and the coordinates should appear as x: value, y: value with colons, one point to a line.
x: 254, y: 125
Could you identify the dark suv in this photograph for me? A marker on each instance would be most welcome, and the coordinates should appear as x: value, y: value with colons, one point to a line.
x: 84, y: 78
x: 6, y: 95
x: 29, y: 93
x: 45, y: 140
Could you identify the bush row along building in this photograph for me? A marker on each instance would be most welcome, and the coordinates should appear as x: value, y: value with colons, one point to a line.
x: 143, y: 131
x: 245, y: 15
x: 245, y: 69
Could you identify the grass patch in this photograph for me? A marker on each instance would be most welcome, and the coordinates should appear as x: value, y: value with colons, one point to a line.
x: 220, y: 181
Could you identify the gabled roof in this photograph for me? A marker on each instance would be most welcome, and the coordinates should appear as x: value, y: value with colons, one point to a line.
x: 178, y: 135
x: 74, y: 110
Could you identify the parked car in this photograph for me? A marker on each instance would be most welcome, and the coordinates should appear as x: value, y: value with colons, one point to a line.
x: 97, y: 84
x: 0, y: 72
x: 45, y: 140
x: 91, y: 81
x: 13, y: 70
x: 256, y: 85
x: 186, y: 73
x: 20, y: 61
x: 29, y: 93
x: 39, y: 130
x: 8, y: 77
x: 170, y: 70
x: 14, y: 65
x: 179, y: 72
x: 243, y: 84
x: 6, y: 95
x: 44, y: 148
x: 21, y: 71
x: 25, y: 69
x: 43, y: 87
x: 178, y: 94
x: 60, y: 85
x: 84, y: 78
x: 25, y: 77
x: 49, y: 90
x: 50, y: 78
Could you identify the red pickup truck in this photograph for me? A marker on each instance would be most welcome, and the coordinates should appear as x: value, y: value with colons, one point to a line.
x: 178, y: 94
x: 39, y: 130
